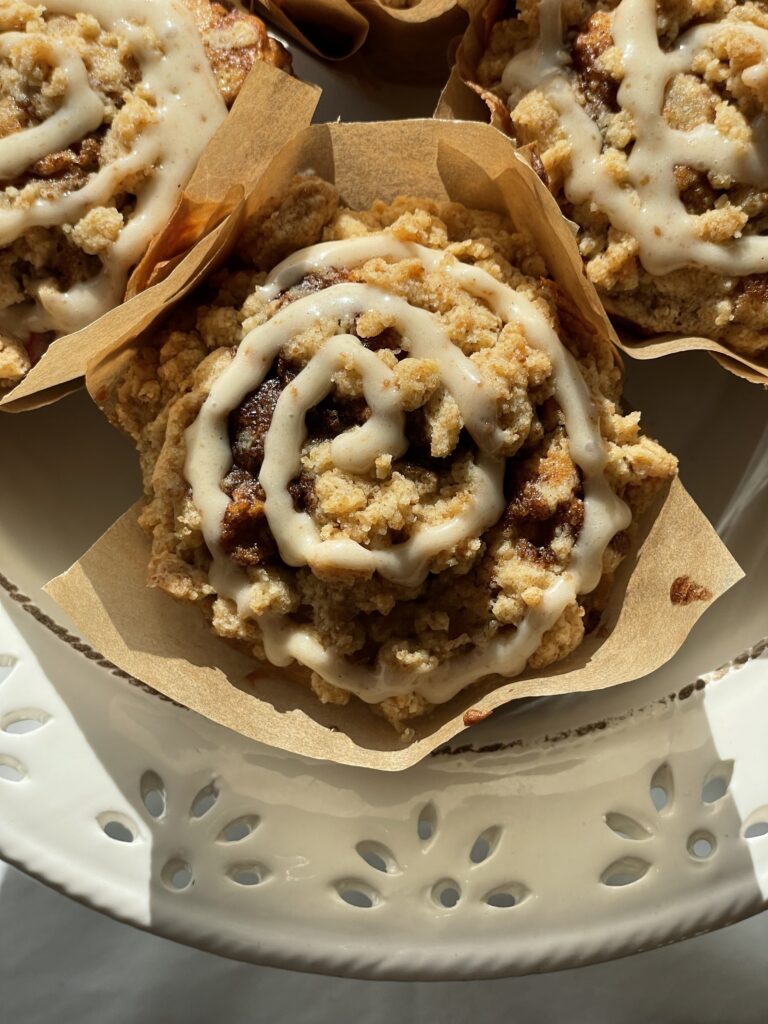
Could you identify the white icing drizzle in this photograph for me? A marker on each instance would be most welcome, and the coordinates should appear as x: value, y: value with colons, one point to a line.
x: 209, y: 459
x: 81, y: 112
x: 177, y: 79
x: 295, y: 532
x: 650, y: 208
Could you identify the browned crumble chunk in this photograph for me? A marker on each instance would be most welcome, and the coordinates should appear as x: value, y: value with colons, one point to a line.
x: 684, y: 590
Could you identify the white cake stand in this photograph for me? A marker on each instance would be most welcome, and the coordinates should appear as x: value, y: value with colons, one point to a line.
x: 562, y: 832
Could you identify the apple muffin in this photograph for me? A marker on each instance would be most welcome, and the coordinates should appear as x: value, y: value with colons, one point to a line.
x: 647, y: 122
x: 372, y: 453
x: 105, y: 108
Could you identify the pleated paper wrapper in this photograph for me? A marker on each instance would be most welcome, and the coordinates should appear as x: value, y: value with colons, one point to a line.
x: 397, y: 43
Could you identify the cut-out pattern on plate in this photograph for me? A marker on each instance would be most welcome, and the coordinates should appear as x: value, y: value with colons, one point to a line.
x: 756, y: 825
x: 445, y: 893
x: 7, y: 664
x: 701, y: 842
x: 118, y: 826
x: 216, y: 827
x: 11, y: 769
x: 247, y: 874
x: 206, y: 819
x: 239, y: 829
x: 153, y: 794
x: 177, y: 875
x: 23, y: 720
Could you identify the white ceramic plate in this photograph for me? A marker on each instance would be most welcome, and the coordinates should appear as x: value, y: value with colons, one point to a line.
x: 561, y: 832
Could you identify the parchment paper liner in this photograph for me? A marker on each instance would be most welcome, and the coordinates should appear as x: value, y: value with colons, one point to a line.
x: 232, y: 157
x: 170, y: 646
x: 407, y: 43
x: 464, y: 100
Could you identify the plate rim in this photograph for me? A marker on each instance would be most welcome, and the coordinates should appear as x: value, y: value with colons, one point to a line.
x: 439, y: 963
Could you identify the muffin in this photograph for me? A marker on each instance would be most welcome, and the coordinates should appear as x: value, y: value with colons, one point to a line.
x: 373, y: 453
x: 105, y: 108
x: 646, y: 120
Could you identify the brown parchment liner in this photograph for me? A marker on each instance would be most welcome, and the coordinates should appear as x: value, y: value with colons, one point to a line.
x: 408, y: 43
x: 464, y: 99
x: 232, y: 160
x: 170, y: 646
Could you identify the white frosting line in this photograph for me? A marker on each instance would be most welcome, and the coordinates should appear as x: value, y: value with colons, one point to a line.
x: 81, y: 112
x: 209, y: 458
x: 176, y: 76
x: 295, y: 532
x: 650, y: 209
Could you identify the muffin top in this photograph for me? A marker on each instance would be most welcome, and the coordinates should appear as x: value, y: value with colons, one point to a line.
x: 648, y: 119
x: 105, y: 107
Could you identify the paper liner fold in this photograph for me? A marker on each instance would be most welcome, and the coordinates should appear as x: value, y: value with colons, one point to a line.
x: 170, y: 645
x: 464, y: 100
x: 231, y: 161
x: 403, y: 43
x: 331, y: 29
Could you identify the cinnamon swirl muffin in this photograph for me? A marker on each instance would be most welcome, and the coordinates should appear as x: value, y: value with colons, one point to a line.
x: 648, y: 119
x: 105, y: 107
x: 371, y: 452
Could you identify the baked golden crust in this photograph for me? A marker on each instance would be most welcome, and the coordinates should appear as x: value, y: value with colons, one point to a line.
x: 477, y: 587
x: 694, y: 299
